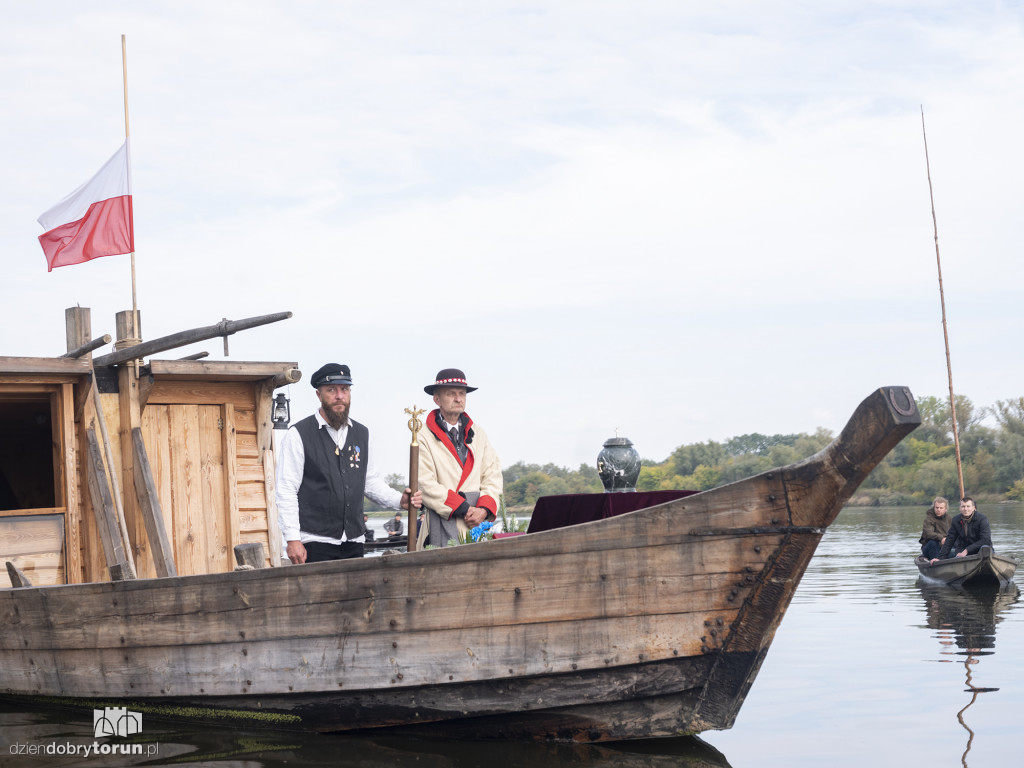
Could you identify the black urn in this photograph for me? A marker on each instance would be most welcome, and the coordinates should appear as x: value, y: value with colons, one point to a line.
x: 618, y: 465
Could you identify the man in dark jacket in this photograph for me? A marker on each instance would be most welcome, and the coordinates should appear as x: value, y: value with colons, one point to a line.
x: 394, y: 526
x: 933, y: 532
x: 967, y: 534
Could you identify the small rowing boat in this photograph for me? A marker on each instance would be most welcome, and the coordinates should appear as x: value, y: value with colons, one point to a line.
x: 984, y: 568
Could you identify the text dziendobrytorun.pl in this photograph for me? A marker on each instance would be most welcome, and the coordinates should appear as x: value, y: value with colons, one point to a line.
x: 84, y: 750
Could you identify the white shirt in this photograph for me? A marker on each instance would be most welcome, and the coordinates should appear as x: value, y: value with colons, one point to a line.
x: 290, y: 463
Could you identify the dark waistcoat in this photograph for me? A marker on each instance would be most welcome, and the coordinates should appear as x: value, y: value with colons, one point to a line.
x: 331, y: 493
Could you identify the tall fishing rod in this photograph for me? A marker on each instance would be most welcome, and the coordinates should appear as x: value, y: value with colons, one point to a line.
x: 942, y: 300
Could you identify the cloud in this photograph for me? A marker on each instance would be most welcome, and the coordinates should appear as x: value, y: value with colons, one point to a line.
x: 684, y: 222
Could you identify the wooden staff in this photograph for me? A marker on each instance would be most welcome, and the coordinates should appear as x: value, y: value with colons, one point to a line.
x: 415, y: 425
x: 942, y: 300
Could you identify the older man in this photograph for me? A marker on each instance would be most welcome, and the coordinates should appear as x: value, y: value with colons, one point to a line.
x: 459, y: 472
x: 968, y: 532
x: 325, y: 467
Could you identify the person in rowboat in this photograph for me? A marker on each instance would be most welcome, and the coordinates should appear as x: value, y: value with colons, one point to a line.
x: 933, y: 532
x: 459, y: 471
x: 968, y: 532
x: 394, y: 526
x: 324, y: 470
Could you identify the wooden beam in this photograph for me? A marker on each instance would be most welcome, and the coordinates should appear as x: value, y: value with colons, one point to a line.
x: 288, y: 377
x: 129, y: 330
x: 71, y: 478
x: 145, y: 387
x: 82, y: 395
x: 114, y: 484
x: 77, y: 327
x: 149, y: 506
x: 35, y: 365
x: 248, y: 555
x: 223, y: 328
x: 229, y: 453
x: 265, y: 443
x: 89, y: 346
x: 224, y: 370
x: 19, y: 579
x: 78, y: 331
x: 106, y: 518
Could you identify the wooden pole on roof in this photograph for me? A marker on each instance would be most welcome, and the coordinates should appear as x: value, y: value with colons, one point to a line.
x: 128, y: 152
x: 942, y: 300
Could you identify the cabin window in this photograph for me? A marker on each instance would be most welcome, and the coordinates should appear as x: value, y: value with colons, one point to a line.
x: 32, y: 514
x: 26, y: 453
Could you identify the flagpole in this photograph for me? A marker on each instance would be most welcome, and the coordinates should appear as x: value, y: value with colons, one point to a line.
x: 128, y: 153
x: 942, y: 301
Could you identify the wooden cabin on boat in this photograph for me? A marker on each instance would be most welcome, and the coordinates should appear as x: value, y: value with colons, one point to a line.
x: 119, y: 466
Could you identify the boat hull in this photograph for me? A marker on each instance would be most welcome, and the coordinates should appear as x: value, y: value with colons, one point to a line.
x: 986, y: 568
x: 652, y: 623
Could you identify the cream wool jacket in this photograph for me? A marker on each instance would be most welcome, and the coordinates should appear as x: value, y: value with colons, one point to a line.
x: 442, y: 475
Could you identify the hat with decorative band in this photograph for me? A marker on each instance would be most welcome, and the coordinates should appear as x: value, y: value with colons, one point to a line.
x: 449, y: 377
x: 332, y: 373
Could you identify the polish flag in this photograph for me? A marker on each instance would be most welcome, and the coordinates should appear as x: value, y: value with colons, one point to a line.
x: 95, y: 220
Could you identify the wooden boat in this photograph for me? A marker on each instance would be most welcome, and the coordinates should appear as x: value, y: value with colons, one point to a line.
x: 387, y: 542
x: 650, y: 623
x: 982, y: 569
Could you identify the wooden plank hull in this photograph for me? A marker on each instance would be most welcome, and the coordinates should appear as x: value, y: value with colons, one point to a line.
x: 652, y: 623
x: 986, y: 568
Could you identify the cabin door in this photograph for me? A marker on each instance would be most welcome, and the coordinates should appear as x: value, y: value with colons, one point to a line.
x: 191, y: 449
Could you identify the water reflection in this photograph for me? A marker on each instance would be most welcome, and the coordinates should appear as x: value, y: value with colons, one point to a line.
x: 57, y: 736
x: 965, y: 623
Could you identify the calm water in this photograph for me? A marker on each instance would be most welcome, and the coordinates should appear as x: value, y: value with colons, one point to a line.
x: 869, y: 667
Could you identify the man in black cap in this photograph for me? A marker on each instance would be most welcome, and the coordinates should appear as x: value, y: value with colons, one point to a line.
x: 459, y: 471
x: 324, y: 469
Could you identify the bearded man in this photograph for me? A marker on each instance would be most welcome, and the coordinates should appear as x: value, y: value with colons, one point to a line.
x: 325, y: 467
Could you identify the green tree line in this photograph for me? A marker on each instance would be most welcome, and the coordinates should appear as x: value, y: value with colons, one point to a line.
x: 921, y: 467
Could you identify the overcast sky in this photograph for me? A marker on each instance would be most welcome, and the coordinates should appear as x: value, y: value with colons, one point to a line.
x: 684, y: 221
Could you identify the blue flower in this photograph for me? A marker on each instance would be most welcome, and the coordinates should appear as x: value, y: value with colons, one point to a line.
x: 481, y: 530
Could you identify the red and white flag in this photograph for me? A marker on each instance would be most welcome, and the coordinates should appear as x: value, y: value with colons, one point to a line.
x: 95, y: 220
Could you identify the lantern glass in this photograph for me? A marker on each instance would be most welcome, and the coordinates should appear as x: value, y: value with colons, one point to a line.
x: 282, y: 412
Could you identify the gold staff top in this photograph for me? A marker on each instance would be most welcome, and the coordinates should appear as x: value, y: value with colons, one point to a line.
x: 415, y: 425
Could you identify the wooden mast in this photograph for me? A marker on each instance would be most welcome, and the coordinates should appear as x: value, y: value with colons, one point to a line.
x: 942, y: 300
x: 128, y: 163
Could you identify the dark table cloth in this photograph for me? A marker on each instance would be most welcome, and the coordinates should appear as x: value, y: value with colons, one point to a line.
x: 572, y: 508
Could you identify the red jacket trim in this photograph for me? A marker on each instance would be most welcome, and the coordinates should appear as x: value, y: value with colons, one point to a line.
x: 467, y: 467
